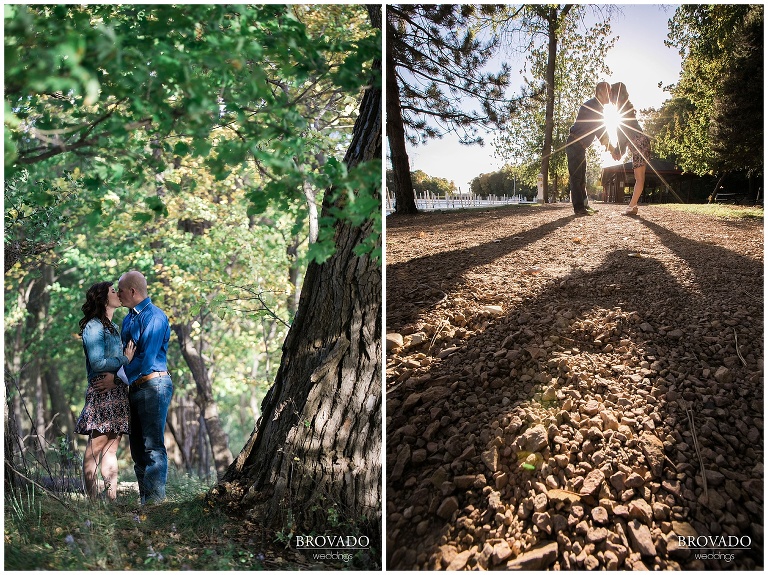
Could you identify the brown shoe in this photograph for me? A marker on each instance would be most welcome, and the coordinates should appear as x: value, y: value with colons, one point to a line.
x: 630, y: 211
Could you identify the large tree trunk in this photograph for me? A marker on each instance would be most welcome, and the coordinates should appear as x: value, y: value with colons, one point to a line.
x: 405, y: 202
x: 318, y: 441
x: 222, y: 456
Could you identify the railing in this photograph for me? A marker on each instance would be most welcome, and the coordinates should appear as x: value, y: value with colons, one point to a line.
x: 428, y: 201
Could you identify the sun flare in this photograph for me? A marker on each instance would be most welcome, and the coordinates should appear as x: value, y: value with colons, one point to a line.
x: 612, y: 120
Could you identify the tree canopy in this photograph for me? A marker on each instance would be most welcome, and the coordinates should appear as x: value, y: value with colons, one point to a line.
x: 714, y: 120
x: 440, y: 63
x: 191, y: 143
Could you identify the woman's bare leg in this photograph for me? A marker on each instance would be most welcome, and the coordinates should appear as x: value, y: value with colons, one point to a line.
x: 639, y: 185
x: 109, y: 465
x: 101, y: 450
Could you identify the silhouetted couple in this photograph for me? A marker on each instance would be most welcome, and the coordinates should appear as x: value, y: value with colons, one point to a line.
x: 590, y: 124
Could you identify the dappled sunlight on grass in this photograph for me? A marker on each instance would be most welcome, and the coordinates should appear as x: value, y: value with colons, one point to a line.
x: 184, y: 532
x: 720, y: 210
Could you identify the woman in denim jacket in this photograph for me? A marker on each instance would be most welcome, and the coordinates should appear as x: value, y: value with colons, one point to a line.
x: 106, y: 414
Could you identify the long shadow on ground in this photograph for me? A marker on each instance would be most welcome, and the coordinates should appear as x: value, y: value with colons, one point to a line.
x: 643, y: 342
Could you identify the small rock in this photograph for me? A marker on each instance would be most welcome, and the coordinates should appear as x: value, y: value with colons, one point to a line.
x: 460, y: 561
x: 394, y: 341
x: 617, y: 480
x: 447, y: 554
x: 653, y: 449
x: 411, y: 401
x: 448, y: 507
x: 537, y: 559
x: 591, y: 486
x: 712, y: 500
x: 597, y: 535
x: 540, y: 502
x: 447, y: 351
x: 611, y: 561
x: 674, y: 549
x: 609, y: 420
x: 560, y: 496
x: 550, y: 394
x: 634, y: 481
x: 714, y: 478
x: 501, y: 552
x: 660, y: 511
x: 592, y: 407
x: 535, y: 439
x: 402, y: 459
x: 493, y: 309
x: 723, y: 375
x: 543, y: 521
x: 491, y: 459
x: 419, y: 456
x: 640, y: 509
x: 640, y: 538
x: 435, y: 393
x: 591, y: 563
x: 463, y: 481
x: 600, y: 515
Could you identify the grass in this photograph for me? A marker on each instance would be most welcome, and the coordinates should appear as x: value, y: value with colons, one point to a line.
x: 185, y: 532
x: 726, y: 211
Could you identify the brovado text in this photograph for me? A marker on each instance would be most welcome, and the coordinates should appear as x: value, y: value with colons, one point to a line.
x: 715, y: 542
x: 331, y: 542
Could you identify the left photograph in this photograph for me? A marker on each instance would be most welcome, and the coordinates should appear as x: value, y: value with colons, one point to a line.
x: 193, y: 287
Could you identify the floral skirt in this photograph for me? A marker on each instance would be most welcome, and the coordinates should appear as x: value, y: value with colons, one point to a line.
x: 105, y: 412
x: 640, y: 144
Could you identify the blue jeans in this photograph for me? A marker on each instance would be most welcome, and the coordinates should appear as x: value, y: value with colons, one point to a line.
x: 149, y: 407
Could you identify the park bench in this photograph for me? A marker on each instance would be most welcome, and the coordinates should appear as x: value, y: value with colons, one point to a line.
x: 729, y: 198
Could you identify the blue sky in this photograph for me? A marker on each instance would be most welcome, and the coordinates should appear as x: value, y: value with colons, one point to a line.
x: 639, y: 58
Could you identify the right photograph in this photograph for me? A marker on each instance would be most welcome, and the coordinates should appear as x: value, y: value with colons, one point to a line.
x: 574, y: 287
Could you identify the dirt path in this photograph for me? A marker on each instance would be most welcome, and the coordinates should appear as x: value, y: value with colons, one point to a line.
x: 574, y: 393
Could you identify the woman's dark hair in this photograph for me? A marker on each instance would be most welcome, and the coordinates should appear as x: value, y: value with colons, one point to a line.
x: 619, y: 95
x: 95, y: 306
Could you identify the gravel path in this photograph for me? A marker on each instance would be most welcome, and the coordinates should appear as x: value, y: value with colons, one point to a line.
x: 574, y: 393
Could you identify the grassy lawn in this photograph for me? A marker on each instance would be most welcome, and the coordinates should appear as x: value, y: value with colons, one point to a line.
x: 720, y: 210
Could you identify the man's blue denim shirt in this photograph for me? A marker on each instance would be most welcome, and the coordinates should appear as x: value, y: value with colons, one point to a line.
x: 149, y: 329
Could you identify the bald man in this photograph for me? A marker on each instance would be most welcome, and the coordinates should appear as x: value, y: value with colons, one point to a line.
x: 589, y: 125
x: 150, y: 388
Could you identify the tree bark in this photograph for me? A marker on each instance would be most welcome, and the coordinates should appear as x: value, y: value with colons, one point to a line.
x: 553, y: 19
x: 549, y: 117
x: 209, y: 411
x: 318, y: 441
x: 63, y: 418
x: 405, y: 203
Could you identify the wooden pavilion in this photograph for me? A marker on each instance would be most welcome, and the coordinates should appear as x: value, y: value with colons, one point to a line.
x: 664, y: 182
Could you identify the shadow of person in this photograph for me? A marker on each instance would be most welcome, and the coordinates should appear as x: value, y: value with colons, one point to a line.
x: 410, y: 301
x: 605, y: 362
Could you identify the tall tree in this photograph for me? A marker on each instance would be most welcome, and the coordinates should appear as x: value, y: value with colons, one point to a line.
x: 564, y: 62
x: 436, y: 83
x: 318, y: 442
x: 737, y: 129
x: 713, y: 122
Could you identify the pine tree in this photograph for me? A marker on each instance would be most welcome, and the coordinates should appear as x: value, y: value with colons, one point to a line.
x: 436, y: 84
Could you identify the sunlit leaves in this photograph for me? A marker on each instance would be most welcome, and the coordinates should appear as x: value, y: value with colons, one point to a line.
x: 714, y: 41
